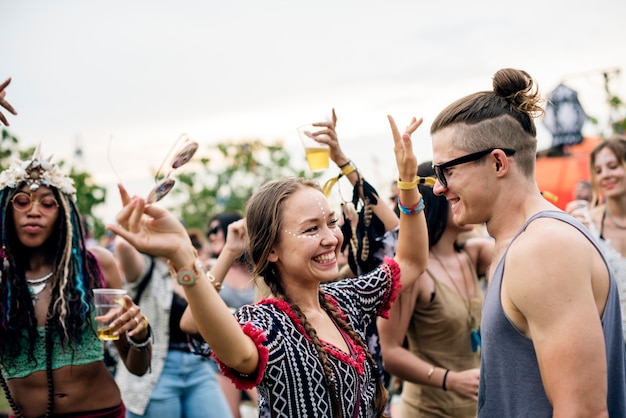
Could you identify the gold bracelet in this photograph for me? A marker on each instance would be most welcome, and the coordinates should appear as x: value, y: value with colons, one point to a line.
x: 410, y: 185
x: 431, y: 371
x: 217, y: 285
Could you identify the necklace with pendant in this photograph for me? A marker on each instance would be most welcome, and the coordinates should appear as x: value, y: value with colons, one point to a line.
x: 36, y: 286
x: 471, y: 321
x: 615, y: 224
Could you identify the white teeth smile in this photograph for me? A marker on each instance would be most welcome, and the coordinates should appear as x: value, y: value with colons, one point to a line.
x: 325, y: 258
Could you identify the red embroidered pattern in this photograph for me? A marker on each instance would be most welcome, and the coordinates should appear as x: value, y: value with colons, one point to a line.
x: 259, y: 338
x: 359, y: 354
x: 290, y: 380
x: 391, y: 267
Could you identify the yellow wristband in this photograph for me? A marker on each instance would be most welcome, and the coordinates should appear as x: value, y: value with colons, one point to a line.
x: 348, y: 169
x: 410, y: 185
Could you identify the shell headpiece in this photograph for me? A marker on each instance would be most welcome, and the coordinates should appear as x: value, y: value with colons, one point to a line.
x: 36, y: 172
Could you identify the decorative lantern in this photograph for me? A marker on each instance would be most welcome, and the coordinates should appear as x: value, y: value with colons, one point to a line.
x: 564, y: 117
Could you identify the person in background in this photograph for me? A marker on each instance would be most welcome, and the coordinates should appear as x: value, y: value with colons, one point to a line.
x: 237, y: 290
x: 180, y: 384
x: 4, y: 103
x: 50, y: 356
x: 439, y: 316
x: 303, y: 346
x: 583, y: 191
x: 87, y: 225
x: 393, y: 198
x: 606, y: 219
x: 555, y: 312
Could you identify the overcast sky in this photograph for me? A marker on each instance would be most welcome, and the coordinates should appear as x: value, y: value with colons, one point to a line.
x: 145, y: 71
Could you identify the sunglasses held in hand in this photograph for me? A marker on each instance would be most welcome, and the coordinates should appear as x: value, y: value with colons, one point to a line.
x: 184, y: 149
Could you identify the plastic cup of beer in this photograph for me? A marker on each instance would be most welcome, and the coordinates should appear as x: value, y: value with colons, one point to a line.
x: 109, y: 305
x: 317, y: 154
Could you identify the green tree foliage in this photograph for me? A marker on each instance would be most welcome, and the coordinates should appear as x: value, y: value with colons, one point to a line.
x: 223, y: 176
x: 618, y: 120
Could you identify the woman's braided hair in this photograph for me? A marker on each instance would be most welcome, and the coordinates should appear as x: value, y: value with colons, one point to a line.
x: 380, y: 401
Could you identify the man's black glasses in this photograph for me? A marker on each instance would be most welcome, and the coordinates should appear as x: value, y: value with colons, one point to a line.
x: 439, y: 169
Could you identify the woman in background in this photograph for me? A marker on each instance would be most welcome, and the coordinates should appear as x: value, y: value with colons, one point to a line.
x: 181, y: 384
x: 606, y: 218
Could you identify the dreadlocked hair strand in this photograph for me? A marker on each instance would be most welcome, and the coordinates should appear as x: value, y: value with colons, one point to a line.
x: 79, y: 273
x: 17, y: 324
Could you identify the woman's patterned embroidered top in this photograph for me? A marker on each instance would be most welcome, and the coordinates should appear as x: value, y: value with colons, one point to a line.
x: 291, y: 378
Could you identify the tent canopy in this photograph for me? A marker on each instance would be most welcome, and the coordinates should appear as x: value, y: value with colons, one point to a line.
x: 559, y: 175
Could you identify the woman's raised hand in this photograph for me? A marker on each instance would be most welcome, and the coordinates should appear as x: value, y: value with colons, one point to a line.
x: 149, y: 228
x: 237, y: 237
x: 403, y: 148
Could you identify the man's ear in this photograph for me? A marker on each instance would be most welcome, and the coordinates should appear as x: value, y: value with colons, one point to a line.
x: 501, y: 162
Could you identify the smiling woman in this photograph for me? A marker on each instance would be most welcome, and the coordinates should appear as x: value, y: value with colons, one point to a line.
x: 608, y: 216
x: 303, y: 346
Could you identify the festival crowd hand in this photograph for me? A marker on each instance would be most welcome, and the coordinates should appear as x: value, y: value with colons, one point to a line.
x: 329, y: 137
x: 237, y: 237
x: 4, y: 103
x: 403, y: 148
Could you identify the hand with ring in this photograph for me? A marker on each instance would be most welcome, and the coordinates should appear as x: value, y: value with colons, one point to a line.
x: 132, y: 321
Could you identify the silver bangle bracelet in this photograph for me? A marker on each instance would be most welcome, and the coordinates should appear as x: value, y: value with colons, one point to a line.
x: 140, y: 345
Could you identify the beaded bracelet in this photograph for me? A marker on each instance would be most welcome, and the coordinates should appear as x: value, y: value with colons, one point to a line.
x: 187, y: 275
x: 143, y: 344
x: 410, y: 210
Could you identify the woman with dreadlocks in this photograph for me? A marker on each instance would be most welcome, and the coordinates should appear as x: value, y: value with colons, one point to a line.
x: 303, y: 346
x: 51, y: 361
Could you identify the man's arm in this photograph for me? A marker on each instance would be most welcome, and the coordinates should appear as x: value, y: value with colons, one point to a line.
x: 554, y: 290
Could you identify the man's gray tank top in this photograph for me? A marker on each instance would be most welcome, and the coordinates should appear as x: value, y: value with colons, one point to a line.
x: 510, y: 382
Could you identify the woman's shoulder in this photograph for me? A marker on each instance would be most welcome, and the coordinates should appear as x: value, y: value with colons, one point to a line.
x: 476, y: 245
x: 108, y: 266
x: 102, y: 254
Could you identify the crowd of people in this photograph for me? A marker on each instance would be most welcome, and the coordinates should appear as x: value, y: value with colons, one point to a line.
x: 471, y: 295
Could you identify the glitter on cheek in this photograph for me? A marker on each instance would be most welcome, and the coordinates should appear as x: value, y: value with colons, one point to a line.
x: 293, y: 234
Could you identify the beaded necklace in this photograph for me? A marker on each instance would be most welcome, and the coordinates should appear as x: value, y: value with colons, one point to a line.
x: 36, y: 286
x: 609, y: 216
